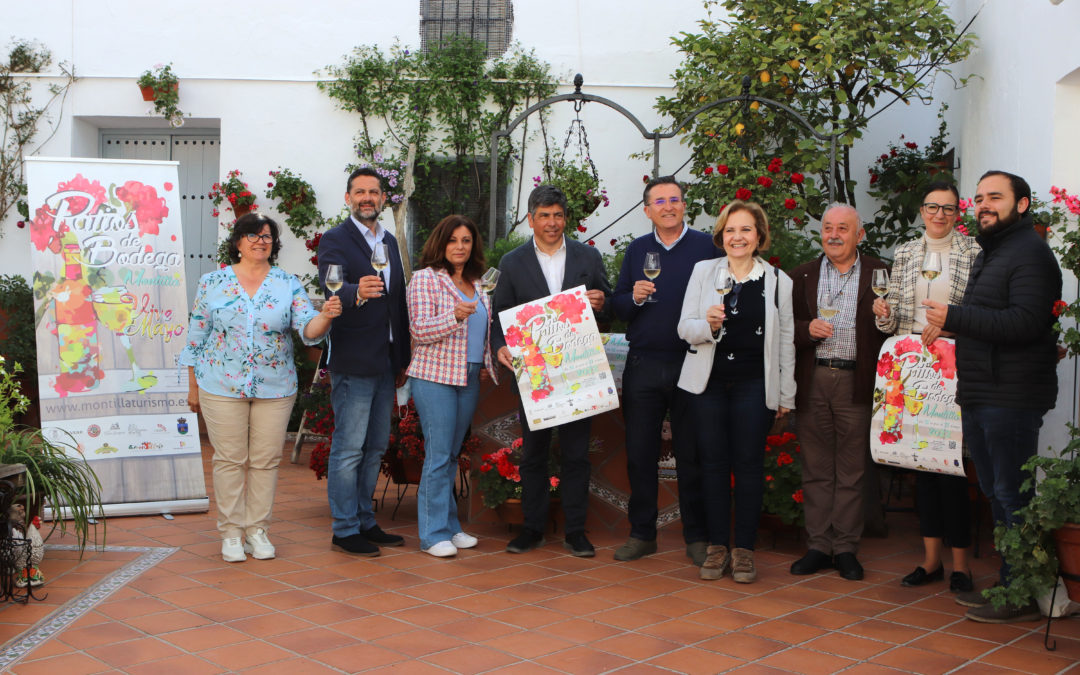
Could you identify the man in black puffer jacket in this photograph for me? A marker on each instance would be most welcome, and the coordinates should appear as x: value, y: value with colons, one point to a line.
x: 1006, y: 356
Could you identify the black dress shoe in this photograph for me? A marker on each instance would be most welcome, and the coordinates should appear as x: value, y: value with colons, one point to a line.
x: 813, y: 561
x: 526, y: 541
x: 376, y: 536
x: 355, y: 544
x: 848, y: 566
x: 579, y: 545
x: 961, y: 583
x: 920, y: 576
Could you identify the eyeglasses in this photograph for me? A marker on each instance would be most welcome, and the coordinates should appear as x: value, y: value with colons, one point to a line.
x: 947, y: 209
x: 265, y: 238
x: 660, y: 201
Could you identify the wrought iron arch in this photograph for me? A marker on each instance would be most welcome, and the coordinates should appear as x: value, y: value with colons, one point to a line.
x: 579, y: 98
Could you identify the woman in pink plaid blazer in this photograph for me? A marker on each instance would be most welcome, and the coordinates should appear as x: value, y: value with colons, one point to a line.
x: 450, y: 323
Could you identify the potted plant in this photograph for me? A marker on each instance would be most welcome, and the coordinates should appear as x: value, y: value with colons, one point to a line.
x: 580, y: 183
x: 500, y: 480
x: 783, y: 495
x: 1046, y: 538
x: 235, y: 191
x: 56, y: 474
x: 17, y: 342
x: 162, y: 86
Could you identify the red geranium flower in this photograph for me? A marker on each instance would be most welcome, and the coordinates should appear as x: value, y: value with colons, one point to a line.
x: 722, y: 169
x: 743, y: 194
x: 708, y: 170
x: 1059, y: 307
x: 789, y: 204
x: 764, y: 181
x: 797, y: 178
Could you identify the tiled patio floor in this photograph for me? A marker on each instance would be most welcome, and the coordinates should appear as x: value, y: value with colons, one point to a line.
x: 313, y: 610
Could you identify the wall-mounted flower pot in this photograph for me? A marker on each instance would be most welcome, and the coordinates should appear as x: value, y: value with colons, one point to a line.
x: 147, y: 93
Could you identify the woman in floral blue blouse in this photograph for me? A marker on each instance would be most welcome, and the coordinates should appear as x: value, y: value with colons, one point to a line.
x: 242, y: 380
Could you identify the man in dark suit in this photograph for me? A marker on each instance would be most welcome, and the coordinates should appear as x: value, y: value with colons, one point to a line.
x: 368, y: 354
x: 546, y: 264
x: 836, y: 350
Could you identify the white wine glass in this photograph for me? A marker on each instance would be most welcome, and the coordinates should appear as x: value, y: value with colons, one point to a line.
x: 880, y: 282
x: 490, y: 280
x: 652, y: 269
x: 334, y: 278
x: 828, y: 308
x: 380, y: 260
x: 931, y: 268
x: 723, y: 282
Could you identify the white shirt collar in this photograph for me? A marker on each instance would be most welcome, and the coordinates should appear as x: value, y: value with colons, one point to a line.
x: 674, y: 243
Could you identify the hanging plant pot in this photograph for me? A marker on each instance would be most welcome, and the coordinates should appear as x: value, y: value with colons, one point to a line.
x: 592, y: 202
x: 242, y: 209
x: 147, y: 93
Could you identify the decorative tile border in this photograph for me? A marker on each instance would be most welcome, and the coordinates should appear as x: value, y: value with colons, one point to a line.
x: 69, y: 612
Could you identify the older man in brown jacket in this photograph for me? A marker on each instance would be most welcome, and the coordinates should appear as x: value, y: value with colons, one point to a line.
x: 836, y: 350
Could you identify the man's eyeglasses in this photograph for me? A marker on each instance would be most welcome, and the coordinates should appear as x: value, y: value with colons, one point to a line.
x: 947, y: 209
x: 660, y: 201
x: 265, y: 238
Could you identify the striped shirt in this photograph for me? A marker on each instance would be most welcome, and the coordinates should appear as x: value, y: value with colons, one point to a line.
x: 843, y: 292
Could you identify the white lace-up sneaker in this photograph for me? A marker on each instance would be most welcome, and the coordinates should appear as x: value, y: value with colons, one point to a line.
x: 232, y: 550
x: 258, y: 545
x: 463, y: 540
x: 443, y: 549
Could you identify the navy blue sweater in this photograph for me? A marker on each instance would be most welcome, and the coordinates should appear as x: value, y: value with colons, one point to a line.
x: 653, y: 327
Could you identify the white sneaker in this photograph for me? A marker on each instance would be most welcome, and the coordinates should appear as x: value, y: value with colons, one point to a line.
x: 258, y: 545
x: 443, y: 549
x: 232, y: 550
x: 462, y: 540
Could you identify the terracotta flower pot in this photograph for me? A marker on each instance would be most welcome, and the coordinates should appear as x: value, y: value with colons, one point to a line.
x: 1068, y: 551
x: 242, y: 209
x: 510, y: 512
x: 147, y: 93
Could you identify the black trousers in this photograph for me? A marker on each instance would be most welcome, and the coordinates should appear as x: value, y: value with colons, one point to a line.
x: 649, y: 393
x: 944, y: 508
x: 574, y: 473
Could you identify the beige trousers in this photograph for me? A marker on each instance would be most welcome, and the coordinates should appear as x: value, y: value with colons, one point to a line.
x: 248, y: 435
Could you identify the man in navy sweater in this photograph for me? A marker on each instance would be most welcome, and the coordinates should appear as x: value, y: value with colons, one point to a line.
x: 652, y: 368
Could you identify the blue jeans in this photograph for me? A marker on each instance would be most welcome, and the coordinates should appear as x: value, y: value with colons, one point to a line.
x: 1000, y: 441
x: 732, y: 423
x: 445, y: 414
x: 649, y: 391
x: 362, y: 407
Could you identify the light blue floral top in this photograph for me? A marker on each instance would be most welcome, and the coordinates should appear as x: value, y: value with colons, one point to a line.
x: 241, y: 346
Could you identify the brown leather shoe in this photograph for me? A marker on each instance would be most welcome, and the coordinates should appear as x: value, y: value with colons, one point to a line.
x: 717, y: 562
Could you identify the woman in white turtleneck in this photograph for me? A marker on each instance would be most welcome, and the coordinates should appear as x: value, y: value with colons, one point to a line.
x: 944, y: 510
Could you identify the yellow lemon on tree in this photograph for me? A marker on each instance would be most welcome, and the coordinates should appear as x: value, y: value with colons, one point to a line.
x: 755, y: 105
x: 740, y: 128
x: 764, y: 76
x: 795, y: 64
x: 796, y: 27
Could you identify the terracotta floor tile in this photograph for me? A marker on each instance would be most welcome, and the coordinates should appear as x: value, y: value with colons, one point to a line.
x: 313, y: 640
x: 290, y: 599
x: 418, y: 643
x: 742, y: 646
x: 529, y: 644
x: 99, y: 634
x: 723, y: 619
x: 871, y: 669
x: 167, y: 622
x: 134, y: 652
x: 884, y: 631
x: 385, y: 602
x: 471, y: 659
x: 372, y: 627
x: 348, y: 658
x: 205, y: 637
x: 692, y: 661
x: 528, y: 616
x: 583, y: 660
x: 245, y: 655
x: 966, y: 648
x: 267, y: 626
x: 635, y: 646
x: 426, y: 616
x: 1027, y: 661
x: 580, y: 631
x: 764, y: 607
x: 1000, y: 633
x: 629, y: 618
x: 230, y: 610
x: 292, y: 667
x: 477, y: 629
x: 784, y: 630
x: 919, y: 618
x: 858, y: 606
x: 480, y: 604
x: 846, y: 645
x: 195, y: 596
x: 982, y: 669
x: 183, y: 663
x: 329, y: 613
x: 684, y: 632
x: 918, y: 660
x: 799, y: 660
x: 69, y: 664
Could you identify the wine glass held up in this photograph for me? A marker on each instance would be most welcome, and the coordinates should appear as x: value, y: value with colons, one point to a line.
x: 334, y: 278
x: 490, y: 280
x: 380, y: 260
x: 651, y: 269
x: 880, y: 282
x: 931, y: 268
x: 827, y: 308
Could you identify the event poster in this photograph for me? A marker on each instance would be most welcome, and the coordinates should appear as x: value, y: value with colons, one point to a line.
x: 617, y: 348
x: 916, y: 420
x: 560, y: 367
x: 111, y: 306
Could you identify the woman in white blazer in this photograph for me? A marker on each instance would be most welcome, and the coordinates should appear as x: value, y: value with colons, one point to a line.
x: 740, y: 366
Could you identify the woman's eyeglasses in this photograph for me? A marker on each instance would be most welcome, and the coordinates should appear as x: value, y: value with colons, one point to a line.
x: 265, y: 238
x: 947, y: 209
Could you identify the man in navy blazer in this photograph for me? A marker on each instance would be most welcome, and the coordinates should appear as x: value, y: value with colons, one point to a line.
x: 368, y: 354
x: 546, y: 264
